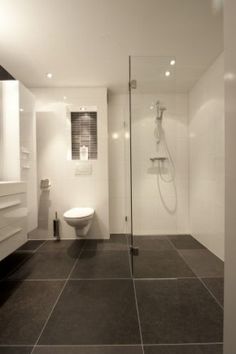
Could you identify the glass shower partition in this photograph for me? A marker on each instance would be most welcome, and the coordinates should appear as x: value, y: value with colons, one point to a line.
x: 158, y: 122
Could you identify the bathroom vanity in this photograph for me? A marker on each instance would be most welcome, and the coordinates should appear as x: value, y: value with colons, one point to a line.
x: 13, y: 217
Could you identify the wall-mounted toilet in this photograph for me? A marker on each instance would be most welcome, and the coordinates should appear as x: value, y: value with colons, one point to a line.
x: 80, y: 219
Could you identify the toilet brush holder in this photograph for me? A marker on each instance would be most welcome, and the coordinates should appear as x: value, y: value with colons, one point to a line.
x: 56, y: 227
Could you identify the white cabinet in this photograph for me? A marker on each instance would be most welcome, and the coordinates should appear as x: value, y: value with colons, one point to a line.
x: 18, y: 142
x: 13, y: 217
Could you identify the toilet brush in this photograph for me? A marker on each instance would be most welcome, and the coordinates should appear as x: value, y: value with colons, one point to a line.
x: 56, y: 224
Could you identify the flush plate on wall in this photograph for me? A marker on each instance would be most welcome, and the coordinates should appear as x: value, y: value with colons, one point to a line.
x: 83, y: 168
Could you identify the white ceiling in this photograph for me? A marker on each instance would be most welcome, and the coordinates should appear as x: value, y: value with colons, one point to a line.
x: 87, y: 42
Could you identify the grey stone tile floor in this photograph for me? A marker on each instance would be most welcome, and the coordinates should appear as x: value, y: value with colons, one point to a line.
x: 81, y: 297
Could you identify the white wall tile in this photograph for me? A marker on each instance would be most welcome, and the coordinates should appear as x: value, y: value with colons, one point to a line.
x: 68, y: 190
x: 154, y: 213
x: 206, y: 178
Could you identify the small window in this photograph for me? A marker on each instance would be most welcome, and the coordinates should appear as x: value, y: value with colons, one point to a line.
x: 84, y: 133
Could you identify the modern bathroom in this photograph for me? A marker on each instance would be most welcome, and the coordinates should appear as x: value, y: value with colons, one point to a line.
x: 117, y: 177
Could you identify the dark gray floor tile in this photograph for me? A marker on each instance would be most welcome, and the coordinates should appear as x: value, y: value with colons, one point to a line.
x: 8, y: 264
x: 31, y: 245
x: 152, y: 243
x: 89, y: 350
x: 185, y: 242
x: 15, y: 350
x: 45, y: 265
x: 102, y: 264
x: 72, y: 247
x: 115, y: 243
x: 162, y: 264
x: 203, y: 263
x: 24, y: 308
x: 178, y: 311
x: 94, y: 312
x: 185, y: 349
x: 216, y: 286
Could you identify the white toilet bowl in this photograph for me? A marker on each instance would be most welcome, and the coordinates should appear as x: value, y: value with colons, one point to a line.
x: 80, y: 219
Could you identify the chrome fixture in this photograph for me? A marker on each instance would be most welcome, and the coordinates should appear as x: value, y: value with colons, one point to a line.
x: 160, y: 110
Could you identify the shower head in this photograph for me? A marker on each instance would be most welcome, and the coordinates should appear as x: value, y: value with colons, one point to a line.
x: 160, y: 110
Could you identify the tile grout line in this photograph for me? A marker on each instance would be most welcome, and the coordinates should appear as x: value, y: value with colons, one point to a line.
x: 199, y: 278
x: 204, y: 285
x: 210, y: 292
x: 135, y: 299
x: 41, y: 246
x: 33, y: 250
x: 57, y: 299
x: 16, y: 267
x: 109, y: 345
x: 29, y: 255
x: 183, y: 344
x: 107, y: 278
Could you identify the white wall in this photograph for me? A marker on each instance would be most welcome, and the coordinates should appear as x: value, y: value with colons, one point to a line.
x: 119, y: 182
x: 206, y: 178
x: 28, y: 158
x: 151, y: 214
x: 53, y: 143
x: 230, y: 198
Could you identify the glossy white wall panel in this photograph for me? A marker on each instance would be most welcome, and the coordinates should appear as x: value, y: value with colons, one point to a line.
x: 150, y: 215
x: 69, y: 190
x: 207, y: 177
x: 28, y: 153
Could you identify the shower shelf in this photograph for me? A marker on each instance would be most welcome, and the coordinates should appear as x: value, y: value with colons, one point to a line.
x: 153, y: 159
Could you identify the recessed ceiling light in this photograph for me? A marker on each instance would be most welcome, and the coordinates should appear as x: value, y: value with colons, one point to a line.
x: 167, y: 73
x: 64, y: 98
x: 49, y: 75
x: 172, y: 62
x: 21, y: 109
x: 82, y: 108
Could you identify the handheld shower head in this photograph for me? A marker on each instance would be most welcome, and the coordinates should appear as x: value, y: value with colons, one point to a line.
x: 160, y: 110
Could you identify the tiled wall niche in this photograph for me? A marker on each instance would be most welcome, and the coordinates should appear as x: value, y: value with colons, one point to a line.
x: 84, y: 133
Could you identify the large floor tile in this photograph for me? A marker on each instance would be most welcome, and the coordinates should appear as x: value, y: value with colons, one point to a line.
x: 102, y: 264
x: 185, y: 242
x: 8, y: 264
x: 162, y: 264
x: 15, y: 350
x: 31, y: 245
x: 72, y: 247
x: 115, y: 243
x: 178, y: 311
x: 94, y: 312
x: 152, y: 243
x: 45, y: 265
x: 203, y: 263
x: 89, y: 350
x: 24, y: 309
x: 216, y: 286
x: 185, y: 349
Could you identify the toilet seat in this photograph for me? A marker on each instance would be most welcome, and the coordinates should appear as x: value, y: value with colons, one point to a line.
x: 78, y: 213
